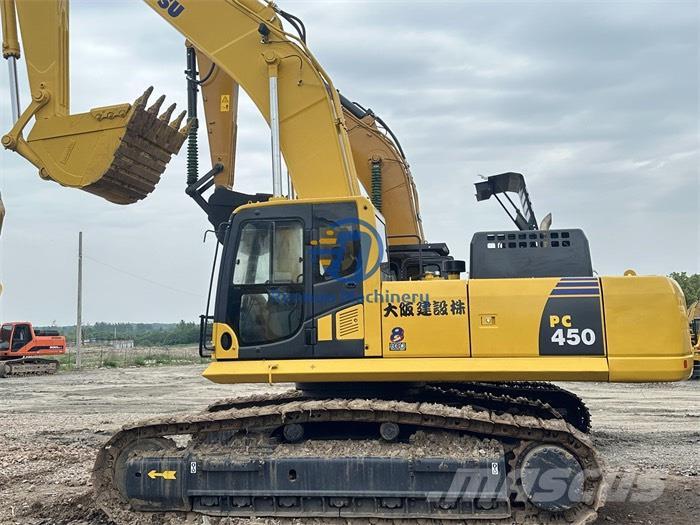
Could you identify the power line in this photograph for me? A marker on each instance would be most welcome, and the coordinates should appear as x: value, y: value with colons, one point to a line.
x: 141, y: 278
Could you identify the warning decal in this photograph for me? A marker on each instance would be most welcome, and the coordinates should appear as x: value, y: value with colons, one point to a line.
x: 225, y: 103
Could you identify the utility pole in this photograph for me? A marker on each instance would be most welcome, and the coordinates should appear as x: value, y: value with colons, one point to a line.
x: 79, y: 322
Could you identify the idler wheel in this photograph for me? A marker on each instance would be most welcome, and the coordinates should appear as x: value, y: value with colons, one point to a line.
x: 552, y: 478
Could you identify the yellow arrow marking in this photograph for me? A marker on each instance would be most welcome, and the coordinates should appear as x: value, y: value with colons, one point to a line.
x: 166, y: 474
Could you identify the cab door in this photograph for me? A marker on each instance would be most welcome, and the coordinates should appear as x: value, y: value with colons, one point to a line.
x: 267, y: 297
x: 21, y: 337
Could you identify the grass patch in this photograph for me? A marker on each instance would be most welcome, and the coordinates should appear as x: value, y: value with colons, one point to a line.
x: 162, y: 359
x: 137, y: 357
x: 65, y: 361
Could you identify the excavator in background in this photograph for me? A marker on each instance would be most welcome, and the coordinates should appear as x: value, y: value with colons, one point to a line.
x: 694, y: 322
x: 419, y: 393
x: 24, y: 350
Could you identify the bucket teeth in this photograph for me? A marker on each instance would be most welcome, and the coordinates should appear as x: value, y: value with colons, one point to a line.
x: 168, y: 113
x: 146, y: 147
x: 178, y: 121
x: 186, y: 129
x: 155, y: 108
x: 143, y: 99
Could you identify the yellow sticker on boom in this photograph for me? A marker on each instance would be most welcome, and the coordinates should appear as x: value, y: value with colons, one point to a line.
x: 225, y: 103
x: 166, y: 474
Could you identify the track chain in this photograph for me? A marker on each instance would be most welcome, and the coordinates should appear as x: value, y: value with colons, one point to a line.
x: 28, y: 367
x: 566, y: 403
x: 544, y: 399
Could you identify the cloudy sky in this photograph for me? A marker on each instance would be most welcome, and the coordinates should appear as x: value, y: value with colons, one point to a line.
x: 595, y: 102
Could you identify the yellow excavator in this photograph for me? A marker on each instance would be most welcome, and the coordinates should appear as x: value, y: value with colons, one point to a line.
x: 420, y: 394
x: 694, y: 322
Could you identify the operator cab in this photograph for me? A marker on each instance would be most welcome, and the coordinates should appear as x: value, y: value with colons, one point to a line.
x: 286, y: 264
x: 14, y: 337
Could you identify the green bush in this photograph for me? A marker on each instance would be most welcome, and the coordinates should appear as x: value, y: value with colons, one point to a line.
x: 690, y: 284
x: 162, y: 359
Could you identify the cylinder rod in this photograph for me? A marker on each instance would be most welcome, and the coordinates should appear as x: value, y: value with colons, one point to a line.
x: 14, y: 88
x: 275, y: 131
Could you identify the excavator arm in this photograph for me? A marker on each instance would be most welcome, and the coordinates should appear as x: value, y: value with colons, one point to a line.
x: 220, y: 95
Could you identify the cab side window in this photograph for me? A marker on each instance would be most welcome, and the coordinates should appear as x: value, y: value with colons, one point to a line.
x: 339, y: 249
x: 21, y: 336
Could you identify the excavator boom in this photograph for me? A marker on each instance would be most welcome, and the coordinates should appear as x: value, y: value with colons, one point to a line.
x: 245, y: 40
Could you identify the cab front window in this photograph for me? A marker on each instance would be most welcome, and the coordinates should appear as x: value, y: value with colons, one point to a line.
x: 5, y: 336
x: 268, y: 278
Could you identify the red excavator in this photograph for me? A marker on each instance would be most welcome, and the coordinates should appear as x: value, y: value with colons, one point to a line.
x: 23, y: 349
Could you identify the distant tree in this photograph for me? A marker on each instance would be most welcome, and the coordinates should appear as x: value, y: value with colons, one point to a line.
x: 690, y: 284
x: 143, y: 334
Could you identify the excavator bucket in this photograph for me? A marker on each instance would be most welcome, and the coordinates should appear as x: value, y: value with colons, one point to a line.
x: 117, y: 152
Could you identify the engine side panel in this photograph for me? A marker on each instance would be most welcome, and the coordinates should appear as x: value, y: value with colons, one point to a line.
x: 624, y: 329
x: 647, y: 332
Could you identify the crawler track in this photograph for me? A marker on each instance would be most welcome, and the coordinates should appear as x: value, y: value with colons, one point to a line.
x: 28, y: 366
x: 568, y: 405
x: 539, y: 398
x: 518, y: 423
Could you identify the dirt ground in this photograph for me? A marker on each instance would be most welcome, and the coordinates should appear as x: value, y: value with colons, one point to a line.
x: 50, y: 428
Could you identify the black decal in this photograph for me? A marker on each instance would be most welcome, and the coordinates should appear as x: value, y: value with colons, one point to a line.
x: 457, y: 307
x: 571, y: 326
x: 390, y: 309
x: 440, y: 307
x: 406, y: 309
x: 423, y: 308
